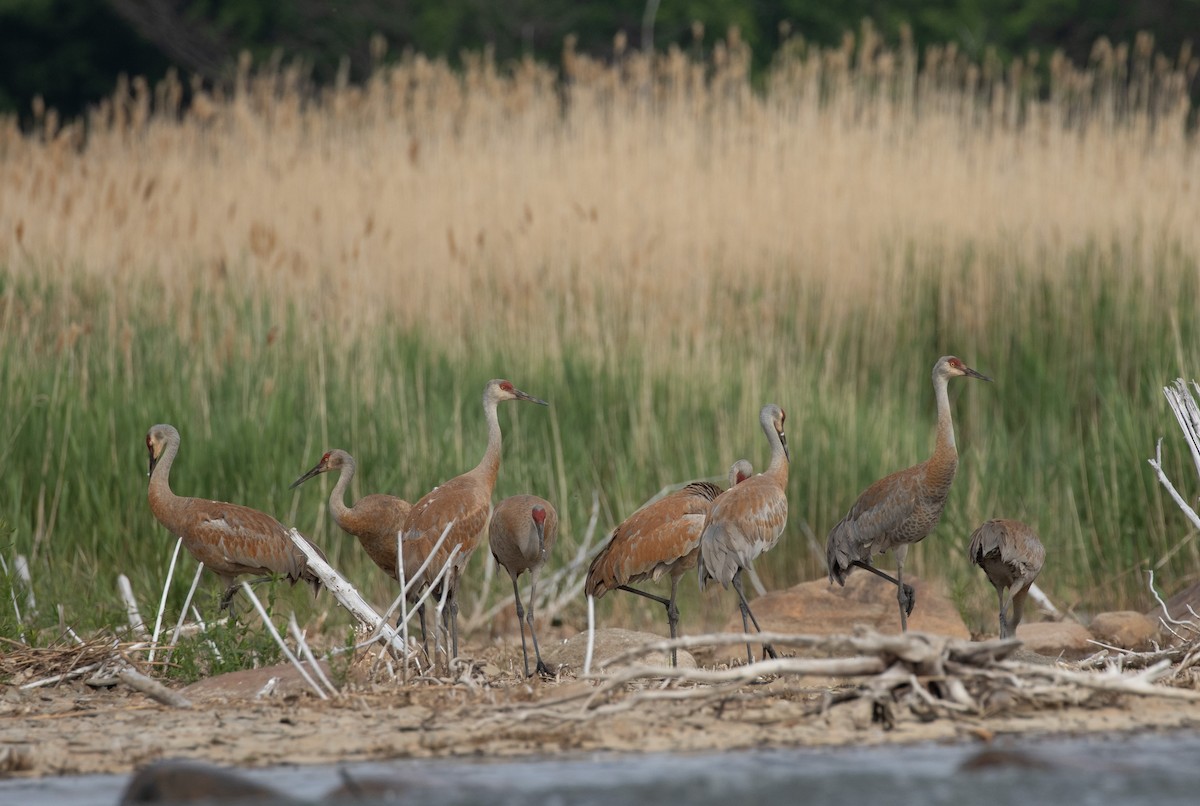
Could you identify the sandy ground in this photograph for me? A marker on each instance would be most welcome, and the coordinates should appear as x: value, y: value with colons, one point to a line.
x: 74, y: 728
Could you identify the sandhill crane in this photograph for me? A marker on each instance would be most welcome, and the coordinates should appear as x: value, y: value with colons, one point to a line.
x: 229, y: 539
x: 662, y: 537
x: 1011, y: 555
x: 376, y: 520
x: 521, y: 536
x: 747, y: 521
x: 466, y: 501
x: 901, y: 509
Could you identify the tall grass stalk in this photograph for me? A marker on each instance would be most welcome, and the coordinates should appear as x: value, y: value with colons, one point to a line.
x: 652, y: 244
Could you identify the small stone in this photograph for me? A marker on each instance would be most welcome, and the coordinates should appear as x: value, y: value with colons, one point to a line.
x: 1126, y: 629
x: 1069, y: 640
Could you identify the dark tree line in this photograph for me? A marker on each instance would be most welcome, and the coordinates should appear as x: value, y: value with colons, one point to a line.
x: 71, y: 51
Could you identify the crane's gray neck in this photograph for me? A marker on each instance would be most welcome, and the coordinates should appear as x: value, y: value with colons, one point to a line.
x: 337, y: 497
x: 945, y: 426
x: 489, y: 465
x: 160, y: 479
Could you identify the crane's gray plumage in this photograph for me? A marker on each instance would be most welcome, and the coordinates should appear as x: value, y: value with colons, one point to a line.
x: 1011, y: 555
x: 901, y: 509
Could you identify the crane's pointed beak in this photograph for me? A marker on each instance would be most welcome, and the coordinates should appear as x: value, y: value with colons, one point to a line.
x: 316, y: 471
x: 541, y: 530
x: 973, y: 374
x: 153, y: 462
x: 528, y: 398
x: 786, y: 453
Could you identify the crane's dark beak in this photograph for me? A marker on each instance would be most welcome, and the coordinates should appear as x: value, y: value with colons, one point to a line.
x: 973, y: 374
x: 316, y: 471
x: 519, y: 395
x: 153, y: 462
x: 786, y: 454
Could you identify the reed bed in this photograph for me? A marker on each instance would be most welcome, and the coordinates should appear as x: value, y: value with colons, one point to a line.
x: 656, y: 244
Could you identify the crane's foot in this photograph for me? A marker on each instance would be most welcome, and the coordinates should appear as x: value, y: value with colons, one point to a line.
x: 544, y: 671
x: 769, y: 652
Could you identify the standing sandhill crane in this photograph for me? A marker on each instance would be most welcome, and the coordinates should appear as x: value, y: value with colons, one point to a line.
x: 229, y: 539
x: 901, y: 509
x: 465, y: 501
x: 661, y: 537
x: 747, y: 521
x: 376, y: 520
x: 521, y: 536
x: 1011, y: 555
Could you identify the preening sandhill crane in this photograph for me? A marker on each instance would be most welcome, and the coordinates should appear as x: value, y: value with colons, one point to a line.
x: 1011, y: 555
x: 521, y: 536
x: 662, y: 537
x: 901, y: 509
x: 229, y: 539
x: 466, y: 501
x: 376, y: 520
x: 747, y: 521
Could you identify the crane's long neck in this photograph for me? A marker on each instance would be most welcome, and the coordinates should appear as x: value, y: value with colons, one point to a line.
x: 162, y: 499
x: 944, y: 462
x: 337, y: 497
x: 489, y: 466
x: 778, y: 467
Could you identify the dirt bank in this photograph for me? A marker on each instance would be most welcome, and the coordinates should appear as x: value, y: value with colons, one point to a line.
x: 74, y: 728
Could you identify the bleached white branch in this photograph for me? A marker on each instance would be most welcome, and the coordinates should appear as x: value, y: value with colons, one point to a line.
x: 131, y: 607
x: 162, y: 602
x: 345, y: 593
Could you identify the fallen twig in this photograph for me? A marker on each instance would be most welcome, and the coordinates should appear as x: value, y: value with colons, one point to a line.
x: 152, y: 688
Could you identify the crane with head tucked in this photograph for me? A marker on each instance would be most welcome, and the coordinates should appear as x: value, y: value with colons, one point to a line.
x: 902, y: 508
x: 230, y: 539
x: 747, y: 521
x: 521, y: 536
x: 463, y: 505
x: 1011, y: 555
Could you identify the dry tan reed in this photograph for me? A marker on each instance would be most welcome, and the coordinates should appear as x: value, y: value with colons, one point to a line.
x: 633, y: 201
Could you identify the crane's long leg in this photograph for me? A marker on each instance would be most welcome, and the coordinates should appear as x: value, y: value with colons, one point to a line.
x: 672, y: 610
x: 452, y: 614
x: 904, y: 596
x: 1003, y: 605
x: 908, y: 591
x: 673, y: 619
x: 521, y: 623
x: 424, y: 631
x: 542, y: 669
x: 768, y: 650
x: 1016, y: 597
x: 651, y: 596
x: 227, y: 596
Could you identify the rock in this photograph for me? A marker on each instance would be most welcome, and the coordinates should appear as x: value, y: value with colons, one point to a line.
x: 823, y: 608
x: 609, y: 643
x: 247, y: 683
x: 1126, y: 629
x: 1057, y: 639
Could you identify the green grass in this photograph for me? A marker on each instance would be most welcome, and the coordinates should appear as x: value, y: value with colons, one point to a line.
x: 258, y: 391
